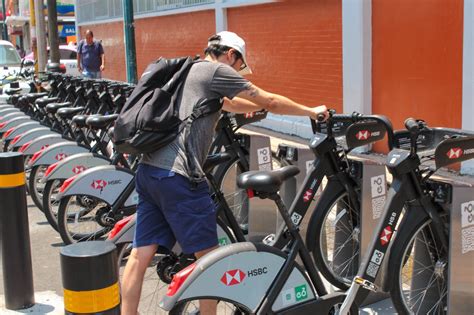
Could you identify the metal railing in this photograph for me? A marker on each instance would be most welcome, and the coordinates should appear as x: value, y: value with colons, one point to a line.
x: 101, y: 10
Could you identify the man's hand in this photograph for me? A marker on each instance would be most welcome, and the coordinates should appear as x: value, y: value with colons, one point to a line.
x: 318, y: 112
x: 102, y: 68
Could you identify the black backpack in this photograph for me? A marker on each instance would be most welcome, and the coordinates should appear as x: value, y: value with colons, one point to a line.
x: 150, y: 119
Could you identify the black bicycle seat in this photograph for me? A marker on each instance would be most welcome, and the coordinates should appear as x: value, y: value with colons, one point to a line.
x: 34, y: 96
x: 266, y: 181
x: 101, y: 121
x: 69, y: 112
x: 214, y: 160
x: 11, y: 91
x: 53, y: 107
x: 80, y: 120
x: 42, y: 102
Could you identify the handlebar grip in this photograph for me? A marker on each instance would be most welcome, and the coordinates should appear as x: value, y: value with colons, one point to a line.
x: 411, y: 124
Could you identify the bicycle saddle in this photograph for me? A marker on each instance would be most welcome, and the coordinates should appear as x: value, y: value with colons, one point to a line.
x: 80, y: 120
x: 69, y: 112
x: 53, y: 107
x: 34, y: 96
x: 11, y: 91
x: 266, y: 181
x: 101, y: 121
x: 42, y: 102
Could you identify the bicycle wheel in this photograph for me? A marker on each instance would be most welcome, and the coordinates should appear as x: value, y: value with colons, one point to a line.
x: 50, y: 201
x: 35, y: 186
x: 79, y: 219
x: 226, y: 176
x: 421, y: 275
x: 159, y: 273
x: 334, y: 231
x: 192, y: 307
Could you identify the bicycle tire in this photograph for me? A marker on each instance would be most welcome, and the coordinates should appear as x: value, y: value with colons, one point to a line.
x: 33, y: 180
x: 151, y: 297
x: 51, y: 215
x: 318, y: 241
x: 405, y: 264
x: 88, y: 214
x: 182, y: 308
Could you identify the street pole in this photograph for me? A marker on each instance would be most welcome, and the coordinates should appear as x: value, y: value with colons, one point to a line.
x: 34, y: 46
x: 41, y: 35
x: 5, y: 30
x: 53, y: 31
x: 129, y: 34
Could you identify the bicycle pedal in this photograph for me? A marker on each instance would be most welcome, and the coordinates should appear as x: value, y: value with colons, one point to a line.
x: 269, y: 240
x: 366, y: 284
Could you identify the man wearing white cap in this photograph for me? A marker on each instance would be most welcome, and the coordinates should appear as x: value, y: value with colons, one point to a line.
x: 174, y: 201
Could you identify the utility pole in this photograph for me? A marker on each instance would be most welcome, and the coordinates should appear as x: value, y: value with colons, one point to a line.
x: 53, y: 31
x: 129, y: 34
x: 34, y: 46
x: 5, y: 30
x: 41, y: 36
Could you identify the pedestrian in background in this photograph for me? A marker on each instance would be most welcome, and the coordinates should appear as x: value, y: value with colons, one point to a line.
x: 90, y: 57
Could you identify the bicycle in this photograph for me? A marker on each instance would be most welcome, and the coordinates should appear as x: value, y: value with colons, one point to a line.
x: 413, y: 225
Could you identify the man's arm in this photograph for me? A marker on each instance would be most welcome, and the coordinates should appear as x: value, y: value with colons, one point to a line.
x: 279, y: 104
x: 102, y: 66
x: 239, y: 105
x: 79, y: 62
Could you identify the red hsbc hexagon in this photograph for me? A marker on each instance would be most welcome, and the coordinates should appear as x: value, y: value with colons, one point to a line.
x: 307, y: 195
x: 78, y: 169
x: 233, y: 277
x: 60, y: 156
x: 363, y: 135
x: 99, y: 184
x: 386, y: 235
x: 454, y: 153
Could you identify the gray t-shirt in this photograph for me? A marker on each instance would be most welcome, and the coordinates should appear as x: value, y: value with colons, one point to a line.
x: 208, y: 80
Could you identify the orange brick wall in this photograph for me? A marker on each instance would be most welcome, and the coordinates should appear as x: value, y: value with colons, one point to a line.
x: 417, y: 60
x: 294, y: 48
x: 172, y: 36
x: 111, y: 35
x: 167, y: 36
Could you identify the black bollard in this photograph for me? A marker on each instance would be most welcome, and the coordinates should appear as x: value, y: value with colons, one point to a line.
x: 90, y: 278
x: 15, y: 236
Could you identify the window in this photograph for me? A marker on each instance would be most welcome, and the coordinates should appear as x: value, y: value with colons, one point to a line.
x: 67, y: 54
x: 9, y: 56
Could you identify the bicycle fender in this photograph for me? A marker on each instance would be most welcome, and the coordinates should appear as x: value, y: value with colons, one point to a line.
x: 43, y: 142
x: 106, y: 182
x: 12, y: 115
x: 13, y: 122
x: 5, y: 111
x: 30, y: 135
x: 21, y: 128
x: 57, y: 152
x: 241, y: 273
x: 74, y: 164
x: 415, y: 216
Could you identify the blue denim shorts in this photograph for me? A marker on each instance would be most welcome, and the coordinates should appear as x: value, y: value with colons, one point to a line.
x: 170, y: 209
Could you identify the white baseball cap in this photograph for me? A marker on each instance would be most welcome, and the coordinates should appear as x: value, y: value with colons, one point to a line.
x: 232, y: 40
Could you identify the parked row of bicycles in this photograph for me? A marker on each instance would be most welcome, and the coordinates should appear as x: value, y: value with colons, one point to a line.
x: 86, y: 189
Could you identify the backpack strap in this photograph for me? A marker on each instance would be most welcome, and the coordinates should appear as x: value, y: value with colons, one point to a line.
x: 203, y: 108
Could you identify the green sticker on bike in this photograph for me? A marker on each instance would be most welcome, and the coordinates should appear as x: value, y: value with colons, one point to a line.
x: 301, y: 293
x: 223, y: 241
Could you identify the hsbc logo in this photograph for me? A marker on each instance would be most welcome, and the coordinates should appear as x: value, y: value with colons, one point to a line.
x: 454, y: 153
x: 363, y: 135
x: 78, y: 169
x: 60, y: 156
x: 44, y: 147
x: 307, y: 195
x: 386, y: 235
x: 233, y: 277
x: 99, y: 184
x: 249, y: 115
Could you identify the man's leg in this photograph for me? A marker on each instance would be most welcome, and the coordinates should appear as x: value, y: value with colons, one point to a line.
x: 131, y: 286
x: 207, y: 307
